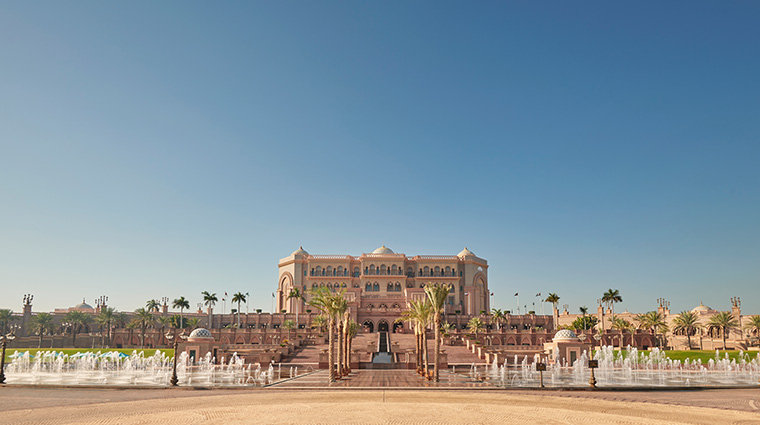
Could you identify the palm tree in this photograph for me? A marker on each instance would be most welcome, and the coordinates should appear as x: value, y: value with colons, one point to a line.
x: 104, y: 319
x: 344, y: 335
x: 165, y: 322
x: 724, y: 321
x: 77, y: 319
x: 193, y: 323
x: 296, y: 293
x: 6, y: 317
x: 688, y: 323
x: 238, y: 298
x: 753, y: 325
x: 353, y: 328
x: 437, y: 295
x: 131, y: 326
x: 289, y: 325
x: 181, y: 303
x: 145, y: 318
x: 554, y: 299
x: 152, y: 305
x: 475, y: 325
x: 622, y: 325
x: 326, y: 302
x: 419, y: 314
x: 319, y: 322
x: 497, y: 316
x: 611, y: 297
x: 210, y: 301
x: 654, y: 321
x: 40, y: 324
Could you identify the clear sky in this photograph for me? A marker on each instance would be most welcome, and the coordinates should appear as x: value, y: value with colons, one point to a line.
x: 152, y: 149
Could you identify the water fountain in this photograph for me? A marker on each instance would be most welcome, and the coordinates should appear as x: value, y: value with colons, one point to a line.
x: 631, y: 368
x: 115, y: 368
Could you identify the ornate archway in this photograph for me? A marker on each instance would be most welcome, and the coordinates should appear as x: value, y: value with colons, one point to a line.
x: 382, y: 326
x: 369, y: 326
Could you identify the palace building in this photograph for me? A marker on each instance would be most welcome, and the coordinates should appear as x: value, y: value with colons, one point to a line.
x: 379, y: 284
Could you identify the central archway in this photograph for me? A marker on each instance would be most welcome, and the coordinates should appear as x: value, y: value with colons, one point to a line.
x: 369, y: 326
x: 382, y: 326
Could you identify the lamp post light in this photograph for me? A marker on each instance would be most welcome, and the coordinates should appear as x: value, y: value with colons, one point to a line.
x: 5, y: 338
x: 170, y: 337
x: 593, y: 364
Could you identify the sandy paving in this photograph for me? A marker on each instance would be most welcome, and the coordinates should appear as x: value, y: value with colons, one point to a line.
x: 371, y: 407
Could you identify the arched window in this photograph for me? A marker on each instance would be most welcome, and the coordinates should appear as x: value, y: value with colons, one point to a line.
x: 356, y: 272
x: 426, y: 271
x: 329, y: 285
x: 390, y: 287
x: 383, y: 306
x: 329, y: 270
x: 420, y: 273
x: 383, y: 270
x: 394, y: 270
x: 396, y: 306
x: 312, y: 271
x: 314, y: 285
x: 366, y: 270
x: 368, y: 287
x: 322, y: 284
x: 343, y: 285
x: 340, y: 270
x: 409, y: 272
x: 453, y: 272
x: 319, y: 271
x: 437, y: 271
x: 448, y: 271
x: 376, y: 287
x: 398, y: 287
x: 371, y: 269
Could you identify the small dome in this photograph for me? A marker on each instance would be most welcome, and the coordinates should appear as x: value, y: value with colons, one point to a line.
x: 83, y: 305
x: 701, y: 307
x: 300, y: 251
x: 565, y: 335
x: 464, y: 252
x: 383, y: 250
x: 200, y: 333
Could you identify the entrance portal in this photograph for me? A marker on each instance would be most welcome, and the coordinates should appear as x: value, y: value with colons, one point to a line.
x: 368, y: 324
x: 382, y: 326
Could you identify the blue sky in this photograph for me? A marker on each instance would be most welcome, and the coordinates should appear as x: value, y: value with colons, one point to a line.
x: 162, y: 149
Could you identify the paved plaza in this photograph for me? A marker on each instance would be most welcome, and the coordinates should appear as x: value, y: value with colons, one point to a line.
x: 309, y: 400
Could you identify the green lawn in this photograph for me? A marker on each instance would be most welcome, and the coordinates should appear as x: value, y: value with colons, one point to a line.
x: 705, y: 355
x: 33, y: 351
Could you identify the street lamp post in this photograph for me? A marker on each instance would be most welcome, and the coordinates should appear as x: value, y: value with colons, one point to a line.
x: 5, y: 338
x: 170, y: 337
x: 593, y: 364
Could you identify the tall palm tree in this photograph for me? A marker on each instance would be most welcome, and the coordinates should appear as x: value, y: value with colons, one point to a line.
x: 289, y: 325
x: 326, y: 302
x: 497, y: 316
x: 6, y: 317
x: 622, y: 325
x: 724, y: 321
x: 295, y: 293
x: 145, y: 318
x: 210, y: 301
x: 238, y: 298
x: 554, y: 299
x: 104, y: 319
x: 584, y: 312
x: 753, y: 325
x: 130, y: 327
x: 475, y: 325
x: 611, y: 297
x: 437, y: 295
x: 181, y: 303
x: 346, y: 319
x: 419, y: 314
x: 40, y: 324
x: 77, y: 319
x: 165, y: 322
x: 654, y: 321
x: 152, y: 305
x: 353, y: 328
x: 688, y: 323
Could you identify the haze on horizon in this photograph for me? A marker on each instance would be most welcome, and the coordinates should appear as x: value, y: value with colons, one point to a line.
x: 163, y: 149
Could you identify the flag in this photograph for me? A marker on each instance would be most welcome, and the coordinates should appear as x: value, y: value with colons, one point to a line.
x: 515, y: 293
x: 466, y: 294
x: 492, y: 294
x: 225, y: 294
x: 538, y: 294
x: 272, y: 294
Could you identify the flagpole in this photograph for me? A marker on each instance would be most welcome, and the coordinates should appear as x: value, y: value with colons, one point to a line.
x: 517, y: 294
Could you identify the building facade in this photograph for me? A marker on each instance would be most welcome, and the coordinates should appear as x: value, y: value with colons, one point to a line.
x: 379, y: 284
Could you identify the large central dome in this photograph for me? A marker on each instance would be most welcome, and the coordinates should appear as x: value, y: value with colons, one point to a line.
x: 383, y: 250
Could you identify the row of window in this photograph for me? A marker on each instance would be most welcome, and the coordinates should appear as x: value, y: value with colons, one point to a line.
x: 374, y: 286
x: 385, y: 271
